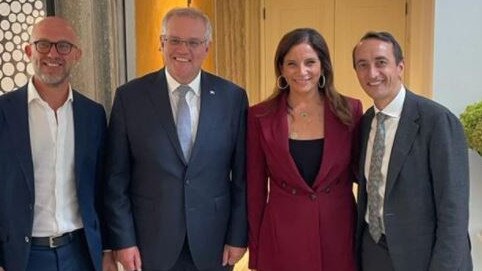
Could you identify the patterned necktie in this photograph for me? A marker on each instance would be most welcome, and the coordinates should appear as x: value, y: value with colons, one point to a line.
x: 375, y: 179
x: 183, y: 121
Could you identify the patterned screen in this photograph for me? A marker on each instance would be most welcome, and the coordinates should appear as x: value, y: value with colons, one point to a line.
x: 16, y: 21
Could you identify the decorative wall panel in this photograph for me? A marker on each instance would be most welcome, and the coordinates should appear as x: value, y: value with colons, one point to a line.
x: 16, y: 21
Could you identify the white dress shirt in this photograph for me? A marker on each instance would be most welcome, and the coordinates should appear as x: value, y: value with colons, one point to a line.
x: 193, y: 99
x: 393, y: 110
x: 56, y: 208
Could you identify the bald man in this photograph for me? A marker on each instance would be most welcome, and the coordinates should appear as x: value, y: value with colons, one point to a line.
x: 51, y: 141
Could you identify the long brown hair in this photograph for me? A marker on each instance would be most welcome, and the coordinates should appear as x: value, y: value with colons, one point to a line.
x: 337, y: 102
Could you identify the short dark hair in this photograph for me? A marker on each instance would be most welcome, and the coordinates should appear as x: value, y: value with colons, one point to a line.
x: 383, y: 36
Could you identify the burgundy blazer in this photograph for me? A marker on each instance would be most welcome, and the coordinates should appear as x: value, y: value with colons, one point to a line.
x: 293, y: 226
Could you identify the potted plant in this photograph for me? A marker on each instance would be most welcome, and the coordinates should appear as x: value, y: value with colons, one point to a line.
x: 471, y: 119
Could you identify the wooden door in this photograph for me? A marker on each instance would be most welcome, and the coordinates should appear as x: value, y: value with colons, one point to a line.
x: 282, y: 16
x: 341, y: 22
x: 353, y: 18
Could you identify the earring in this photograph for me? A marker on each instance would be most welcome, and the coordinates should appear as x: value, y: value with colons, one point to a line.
x: 324, y: 81
x: 278, y: 84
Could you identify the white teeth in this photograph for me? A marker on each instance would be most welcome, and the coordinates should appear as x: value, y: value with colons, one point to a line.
x: 182, y: 59
x: 52, y: 64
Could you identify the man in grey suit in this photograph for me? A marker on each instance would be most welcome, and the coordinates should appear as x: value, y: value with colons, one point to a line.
x: 414, y: 183
x: 176, y: 195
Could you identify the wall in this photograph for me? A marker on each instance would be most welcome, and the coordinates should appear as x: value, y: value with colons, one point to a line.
x: 99, y: 25
x: 16, y: 21
x: 457, y: 83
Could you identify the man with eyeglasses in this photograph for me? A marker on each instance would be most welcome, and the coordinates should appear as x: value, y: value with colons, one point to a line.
x: 176, y: 195
x: 51, y: 159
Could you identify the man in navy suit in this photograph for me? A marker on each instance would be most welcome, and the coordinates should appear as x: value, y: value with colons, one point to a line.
x: 51, y: 140
x: 414, y: 182
x: 175, y: 195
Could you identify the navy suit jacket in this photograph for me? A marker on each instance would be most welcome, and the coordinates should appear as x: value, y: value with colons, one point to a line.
x: 17, y: 196
x: 154, y: 198
x: 427, y: 189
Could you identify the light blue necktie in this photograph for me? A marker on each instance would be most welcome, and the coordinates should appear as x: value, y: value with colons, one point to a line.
x: 183, y: 121
x: 375, y: 180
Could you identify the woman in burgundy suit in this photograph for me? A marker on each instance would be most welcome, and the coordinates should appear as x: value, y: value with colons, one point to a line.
x: 301, y: 207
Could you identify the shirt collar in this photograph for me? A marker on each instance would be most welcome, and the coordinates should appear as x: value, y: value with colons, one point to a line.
x: 195, y: 84
x: 32, y: 93
x: 394, y: 108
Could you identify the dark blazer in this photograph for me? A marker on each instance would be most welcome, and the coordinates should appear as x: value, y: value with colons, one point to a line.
x: 17, y: 177
x: 154, y: 197
x: 298, y: 227
x: 427, y: 189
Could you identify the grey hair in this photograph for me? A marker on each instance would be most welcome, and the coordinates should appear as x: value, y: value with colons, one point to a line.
x: 191, y: 13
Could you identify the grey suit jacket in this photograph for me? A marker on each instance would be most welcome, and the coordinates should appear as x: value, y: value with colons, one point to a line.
x: 17, y: 186
x: 427, y: 189
x: 155, y: 198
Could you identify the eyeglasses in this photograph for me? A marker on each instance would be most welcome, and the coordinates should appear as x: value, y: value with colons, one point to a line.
x: 44, y: 46
x: 191, y: 43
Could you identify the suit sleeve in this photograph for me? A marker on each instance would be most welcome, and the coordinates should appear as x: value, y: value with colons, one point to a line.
x: 238, y: 228
x: 257, y: 186
x: 2, y: 253
x: 119, y: 224
x: 1, y: 257
x: 100, y: 167
x: 450, y: 178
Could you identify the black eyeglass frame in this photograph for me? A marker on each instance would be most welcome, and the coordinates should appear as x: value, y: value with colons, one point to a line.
x: 56, y: 44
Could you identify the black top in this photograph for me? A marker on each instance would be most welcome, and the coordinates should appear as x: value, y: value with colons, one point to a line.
x: 307, y: 155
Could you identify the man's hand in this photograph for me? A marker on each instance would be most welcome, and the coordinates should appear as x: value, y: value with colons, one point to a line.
x: 1, y: 269
x: 232, y: 255
x: 108, y: 262
x: 130, y: 258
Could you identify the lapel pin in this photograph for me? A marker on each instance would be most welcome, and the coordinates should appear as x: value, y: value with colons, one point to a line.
x: 212, y: 92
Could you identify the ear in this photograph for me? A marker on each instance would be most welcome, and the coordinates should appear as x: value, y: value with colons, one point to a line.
x: 78, y: 54
x: 161, y: 48
x: 208, y: 44
x: 28, y: 50
x: 401, y: 67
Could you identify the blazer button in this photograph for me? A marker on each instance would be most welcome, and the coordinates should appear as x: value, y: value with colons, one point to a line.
x: 293, y: 191
x: 27, y: 240
x: 327, y: 190
x: 188, y: 182
x: 283, y: 184
x: 313, y: 196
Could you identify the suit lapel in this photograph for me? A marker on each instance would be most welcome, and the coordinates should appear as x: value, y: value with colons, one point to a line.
x: 207, y: 113
x: 81, y: 121
x: 404, y: 138
x: 364, y: 133
x: 16, y: 114
x: 159, y: 96
x: 333, y: 138
x: 274, y: 127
